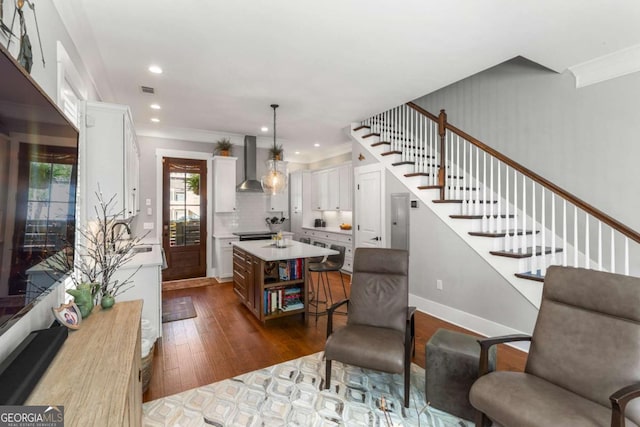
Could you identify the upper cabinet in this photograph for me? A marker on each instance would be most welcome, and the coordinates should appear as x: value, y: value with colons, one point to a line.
x: 295, y: 188
x: 111, y: 157
x: 331, y: 189
x: 224, y: 184
x: 345, y: 199
x: 278, y: 203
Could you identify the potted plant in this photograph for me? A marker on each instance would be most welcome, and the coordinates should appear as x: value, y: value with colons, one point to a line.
x: 275, y: 152
x: 193, y: 183
x: 223, y: 147
x: 101, y: 251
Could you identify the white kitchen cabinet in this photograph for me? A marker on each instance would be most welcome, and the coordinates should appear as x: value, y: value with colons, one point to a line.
x: 300, y: 205
x: 331, y: 189
x: 146, y: 285
x: 295, y: 188
x: 224, y: 184
x: 224, y: 257
x: 278, y: 203
x: 345, y: 201
x: 319, y: 189
x: 111, y: 156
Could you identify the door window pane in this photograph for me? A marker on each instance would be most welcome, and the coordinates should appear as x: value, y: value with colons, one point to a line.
x: 184, y: 209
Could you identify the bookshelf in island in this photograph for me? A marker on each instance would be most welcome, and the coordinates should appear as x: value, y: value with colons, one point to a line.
x: 273, y: 281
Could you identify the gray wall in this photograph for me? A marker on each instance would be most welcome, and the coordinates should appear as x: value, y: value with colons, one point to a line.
x: 584, y: 140
x: 470, y: 284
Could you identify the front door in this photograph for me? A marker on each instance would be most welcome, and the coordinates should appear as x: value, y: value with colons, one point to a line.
x: 184, y: 200
x: 369, y: 206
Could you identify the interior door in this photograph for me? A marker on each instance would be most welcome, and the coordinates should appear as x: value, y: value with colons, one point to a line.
x: 184, y: 200
x: 369, y: 206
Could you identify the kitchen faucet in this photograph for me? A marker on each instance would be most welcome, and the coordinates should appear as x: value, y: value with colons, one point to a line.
x: 113, y: 239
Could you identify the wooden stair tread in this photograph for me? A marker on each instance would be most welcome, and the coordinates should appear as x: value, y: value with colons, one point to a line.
x: 376, y: 144
x: 527, y: 254
x: 501, y: 233
x: 429, y: 187
x: 370, y: 135
x: 461, y: 201
x: 362, y: 127
x: 389, y: 153
x: 479, y: 216
x: 537, y: 276
x: 406, y: 162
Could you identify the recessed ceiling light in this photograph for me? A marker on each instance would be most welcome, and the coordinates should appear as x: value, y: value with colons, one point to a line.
x: 264, y: 129
x: 316, y: 145
x: 155, y: 106
x: 155, y: 120
x: 297, y: 152
x: 155, y: 69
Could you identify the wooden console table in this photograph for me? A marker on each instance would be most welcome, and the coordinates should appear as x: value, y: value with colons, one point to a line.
x: 96, y: 374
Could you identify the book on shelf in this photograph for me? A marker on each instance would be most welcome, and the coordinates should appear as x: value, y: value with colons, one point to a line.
x: 283, y: 299
x: 290, y: 269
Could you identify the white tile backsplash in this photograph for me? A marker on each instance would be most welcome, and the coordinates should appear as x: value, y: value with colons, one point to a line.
x: 335, y: 218
x: 250, y: 216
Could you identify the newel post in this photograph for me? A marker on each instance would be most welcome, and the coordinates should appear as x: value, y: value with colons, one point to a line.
x: 442, y: 125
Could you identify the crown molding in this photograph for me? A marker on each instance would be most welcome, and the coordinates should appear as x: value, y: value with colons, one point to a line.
x: 607, y: 67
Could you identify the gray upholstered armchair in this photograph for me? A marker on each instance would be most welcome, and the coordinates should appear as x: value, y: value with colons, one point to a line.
x: 583, y: 367
x: 379, y: 330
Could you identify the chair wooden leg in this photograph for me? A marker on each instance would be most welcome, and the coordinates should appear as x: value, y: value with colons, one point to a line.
x: 407, y: 384
x: 482, y: 420
x: 327, y: 375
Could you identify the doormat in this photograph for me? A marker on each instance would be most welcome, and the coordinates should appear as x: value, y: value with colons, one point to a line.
x: 177, y: 309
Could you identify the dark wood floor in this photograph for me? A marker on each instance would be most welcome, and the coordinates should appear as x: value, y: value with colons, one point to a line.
x: 225, y: 340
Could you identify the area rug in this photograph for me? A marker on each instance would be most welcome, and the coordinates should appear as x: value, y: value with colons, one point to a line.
x: 292, y: 394
x: 177, y: 309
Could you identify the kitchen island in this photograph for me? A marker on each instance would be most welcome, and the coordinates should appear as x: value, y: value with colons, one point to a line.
x: 271, y: 281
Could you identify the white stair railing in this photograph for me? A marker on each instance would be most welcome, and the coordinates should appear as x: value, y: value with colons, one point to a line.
x: 538, y: 219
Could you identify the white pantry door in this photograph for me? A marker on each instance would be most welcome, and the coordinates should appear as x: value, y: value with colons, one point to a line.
x: 370, y: 209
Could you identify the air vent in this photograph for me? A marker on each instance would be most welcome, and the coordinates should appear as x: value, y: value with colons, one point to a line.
x: 147, y: 89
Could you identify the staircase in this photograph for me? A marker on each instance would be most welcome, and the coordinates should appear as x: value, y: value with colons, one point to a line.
x: 519, y: 222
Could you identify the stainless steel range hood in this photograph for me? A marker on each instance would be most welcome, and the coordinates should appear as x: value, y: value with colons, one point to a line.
x: 250, y: 183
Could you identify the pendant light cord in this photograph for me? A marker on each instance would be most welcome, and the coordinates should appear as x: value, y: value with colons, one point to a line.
x: 274, y: 106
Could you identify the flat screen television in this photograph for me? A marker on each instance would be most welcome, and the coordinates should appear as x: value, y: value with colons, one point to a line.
x: 38, y: 176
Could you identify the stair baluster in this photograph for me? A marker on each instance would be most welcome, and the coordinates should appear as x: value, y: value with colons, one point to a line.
x: 444, y: 157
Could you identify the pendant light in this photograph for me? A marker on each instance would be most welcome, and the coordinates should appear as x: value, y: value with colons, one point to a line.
x: 275, y: 180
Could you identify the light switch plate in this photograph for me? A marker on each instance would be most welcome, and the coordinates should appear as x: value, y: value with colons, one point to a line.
x: 148, y: 226
x: 149, y: 211
x: 147, y: 202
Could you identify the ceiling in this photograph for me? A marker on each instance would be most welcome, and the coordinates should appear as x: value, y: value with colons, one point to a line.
x: 326, y: 63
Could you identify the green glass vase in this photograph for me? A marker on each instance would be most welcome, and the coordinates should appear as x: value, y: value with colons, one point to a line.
x: 107, y: 301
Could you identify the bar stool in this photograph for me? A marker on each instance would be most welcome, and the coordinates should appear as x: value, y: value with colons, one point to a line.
x: 332, y: 263
x: 315, y: 293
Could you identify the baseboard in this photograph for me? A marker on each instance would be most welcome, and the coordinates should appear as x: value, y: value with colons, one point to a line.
x: 471, y: 322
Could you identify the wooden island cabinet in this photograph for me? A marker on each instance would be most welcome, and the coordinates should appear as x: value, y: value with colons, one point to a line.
x: 273, y: 282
